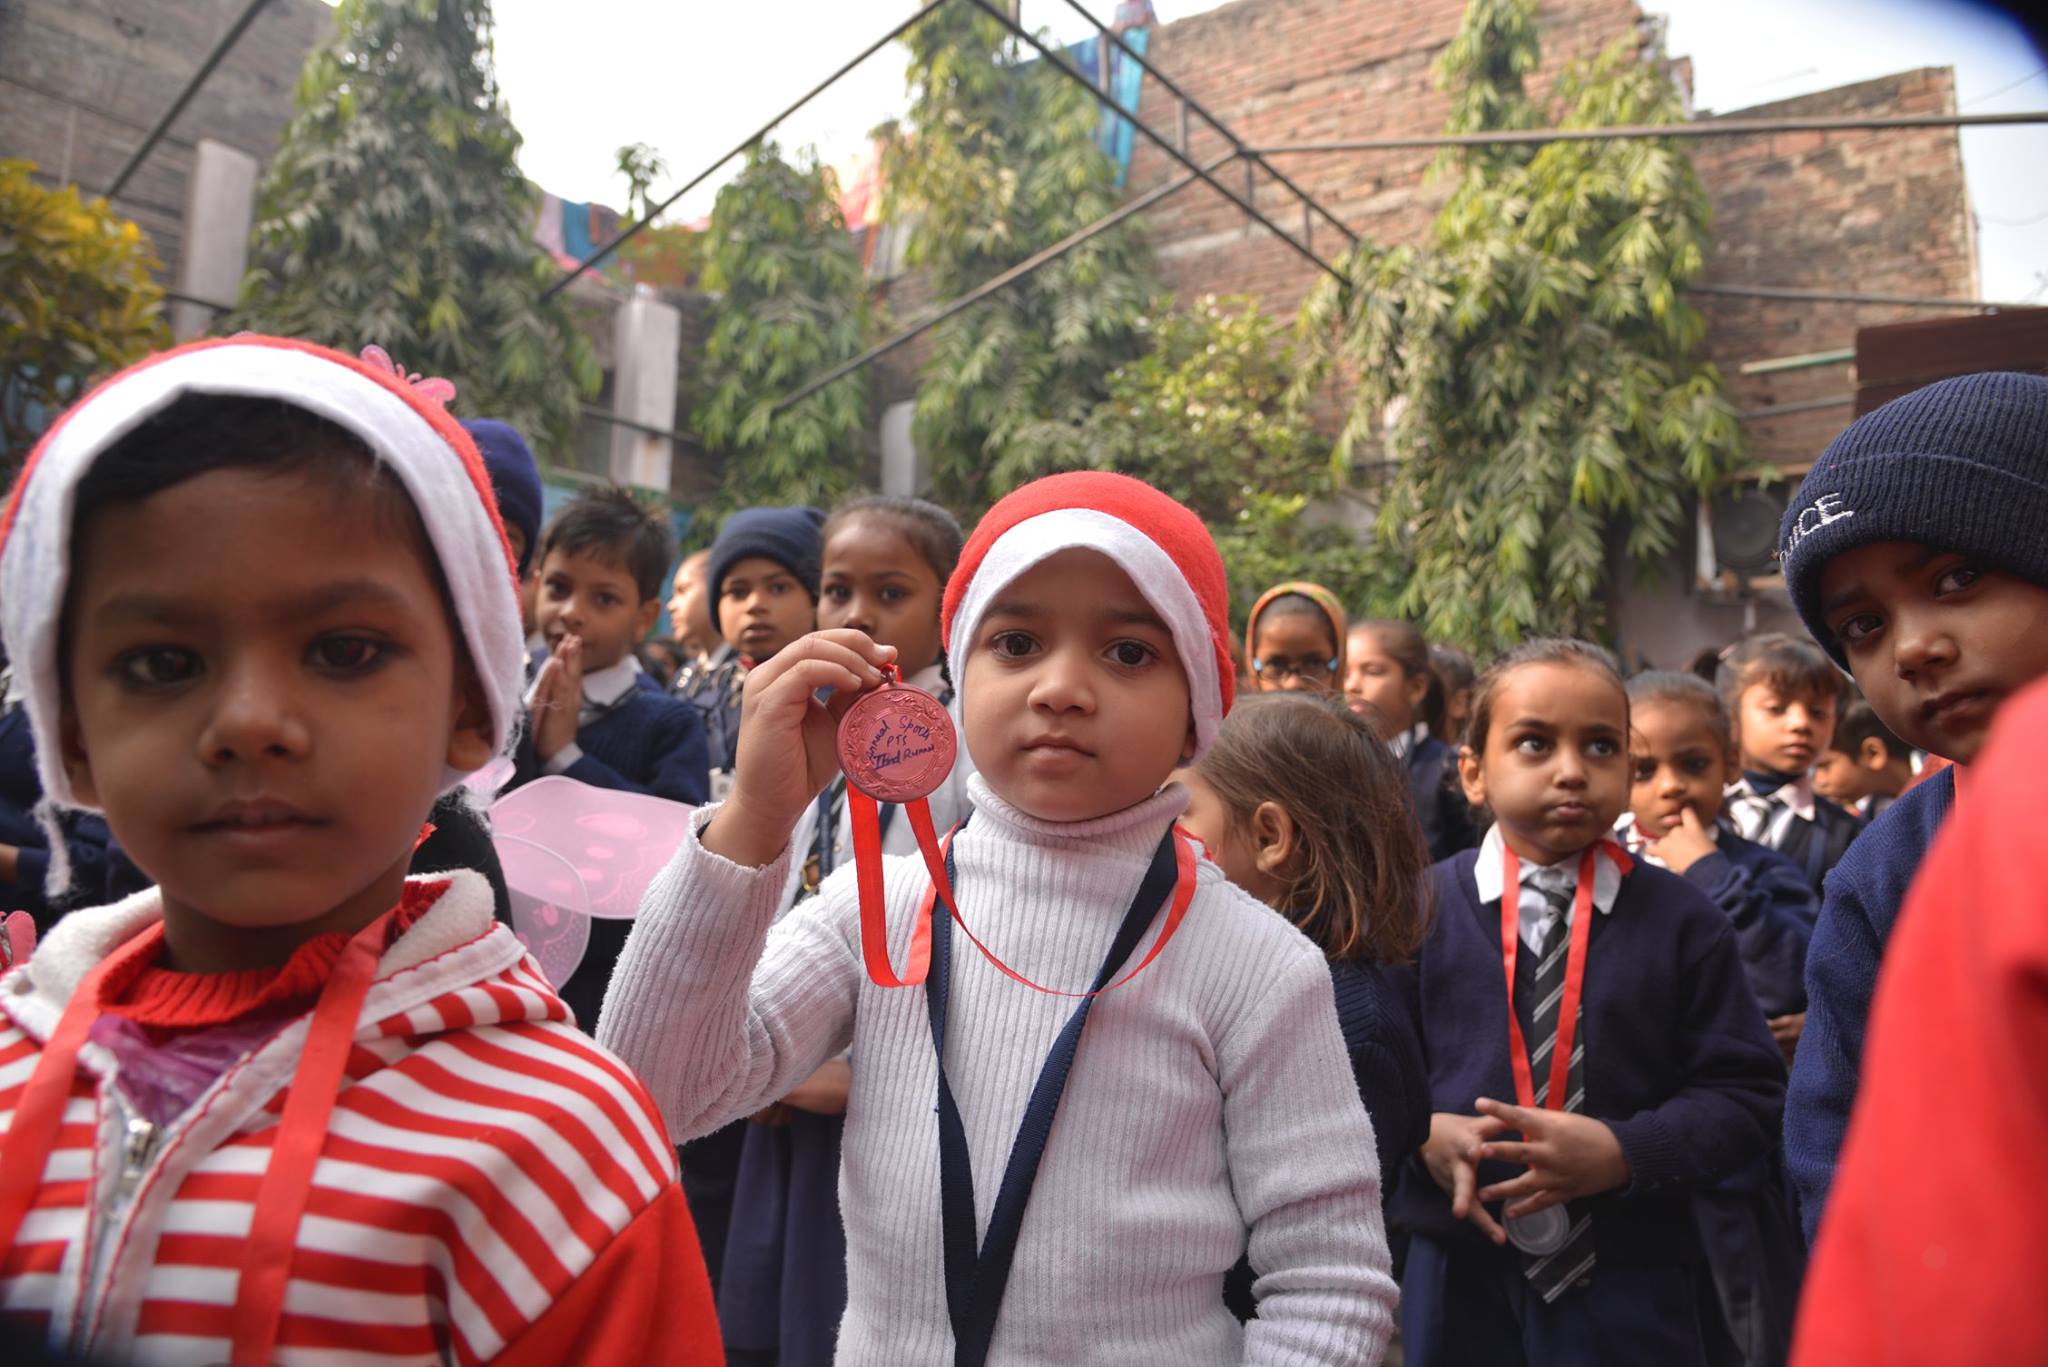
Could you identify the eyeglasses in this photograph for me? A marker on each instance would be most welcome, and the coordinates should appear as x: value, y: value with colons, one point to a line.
x: 1280, y: 667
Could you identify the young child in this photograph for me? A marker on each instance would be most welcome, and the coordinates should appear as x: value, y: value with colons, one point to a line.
x: 1388, y: 680
x: 1210, y: 1100
x: 1294, y: 640
x: 689, y: 621
x: 289, y: 1101
x: 1784, y: 696
x: 1914, y: 554
x: 885, y: 567
x: 763, y: 578
x: 1682, y: 751
x: 1455, y: 674
x: 1866, y: 767
x: 603, y: 562
x: 1301, y: 804
x: 1661, y: 1081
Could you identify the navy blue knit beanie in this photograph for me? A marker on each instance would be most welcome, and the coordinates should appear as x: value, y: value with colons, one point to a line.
x: 1961, y: 464
x: 515, y: 479
x: 788, y: 536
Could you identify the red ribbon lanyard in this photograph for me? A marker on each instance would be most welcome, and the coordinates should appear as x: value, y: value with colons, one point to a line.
x: 867, y: 873
x: 1574, y: 978
x: 1183, y: 894
x: 287, y: 1181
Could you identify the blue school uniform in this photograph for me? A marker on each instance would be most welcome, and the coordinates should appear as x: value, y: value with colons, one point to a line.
x: 1863, y: 899
x: 1440, y: 805
x: 1767, y: 900
x: 1786, y: 815
x: 1678, y: 1063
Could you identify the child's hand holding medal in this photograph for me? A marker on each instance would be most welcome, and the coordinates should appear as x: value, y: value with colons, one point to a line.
x: 789, y: 741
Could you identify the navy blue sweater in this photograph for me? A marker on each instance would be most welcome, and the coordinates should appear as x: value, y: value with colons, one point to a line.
x: 1440, y: 805
x: 1678, y: 1060
x: 1768, y: 901
x: 1864, y: 895
x: 647, y: 743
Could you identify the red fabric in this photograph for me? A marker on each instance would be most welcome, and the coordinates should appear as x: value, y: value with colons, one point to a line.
x: 165, y: 999
x: 647, y: 1299
x: 1934, y: 1249
x: 442, y: 421
x: 1935, y: 764
x: 1171, y: 526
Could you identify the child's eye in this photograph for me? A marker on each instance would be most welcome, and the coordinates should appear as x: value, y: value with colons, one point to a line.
x: 1859, y: 629
x: 894, y: 595
x: 1533, y: 745
x: 778, y: 588
x: 157, y: 667
x: 1697, y: 766
x: 1956, y: 580
x: 1011, y: 645
x: 1132, y: 654
x: 837, y: 593
x: 1646, y: 769
x: 1602, y: 749
x: 345, y: 654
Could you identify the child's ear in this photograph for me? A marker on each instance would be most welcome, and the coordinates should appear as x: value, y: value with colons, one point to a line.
x: 1415, y: 690
x: 1188, y: 746
x: 1873, y: 755
x: 643, y: 620
x: 1472, y: 776
x: 77, y: 764
x: 470, y: 739
x: 1274, y: 838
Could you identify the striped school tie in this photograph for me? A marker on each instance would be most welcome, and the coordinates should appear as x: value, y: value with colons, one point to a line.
x: 1552, y: 1274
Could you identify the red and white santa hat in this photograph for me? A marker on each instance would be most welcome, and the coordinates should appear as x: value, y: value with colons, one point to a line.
x: 1160, y: 544
x: 406, y: 429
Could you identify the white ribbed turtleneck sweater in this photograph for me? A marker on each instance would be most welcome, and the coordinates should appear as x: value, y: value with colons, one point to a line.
x: 1211, y: 1097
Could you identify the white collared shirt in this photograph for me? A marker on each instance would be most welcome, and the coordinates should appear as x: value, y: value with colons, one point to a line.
x: 1403, y: 745
x: 1764, y: 818
x: 1533, y: 908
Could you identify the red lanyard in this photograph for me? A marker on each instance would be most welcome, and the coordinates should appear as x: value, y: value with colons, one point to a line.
x: 287, y: 1180
x: 1183, y: 894
x: 1574, y: 972
x: 867, y: 873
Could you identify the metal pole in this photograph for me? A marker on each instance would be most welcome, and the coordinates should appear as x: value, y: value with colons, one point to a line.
x: 763, y: 131
x: 1911, y: 301
x: 1188, y: 101
x: 163, y: 125
x: 1708, y: 128
x: 602, y: 415
x: 1007, y: 278
x: 1059, y: 64
x: 1786, y: 410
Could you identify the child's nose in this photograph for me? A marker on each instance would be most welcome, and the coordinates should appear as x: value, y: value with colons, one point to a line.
x: 1060, y: 683
x: 252, y: 715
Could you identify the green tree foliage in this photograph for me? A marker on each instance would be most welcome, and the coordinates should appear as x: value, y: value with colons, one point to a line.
x: 791, y: 302
x: 76, y: 301
x: 1533, y: 371
x: 393, y: 213
x: 1208, y: 414
x: 998, y: 162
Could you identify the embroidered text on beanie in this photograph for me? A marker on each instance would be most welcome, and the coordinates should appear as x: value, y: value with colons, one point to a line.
x: 1961, y: 464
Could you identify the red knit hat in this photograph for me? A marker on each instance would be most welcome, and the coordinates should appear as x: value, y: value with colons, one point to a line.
x: 1161, y: 545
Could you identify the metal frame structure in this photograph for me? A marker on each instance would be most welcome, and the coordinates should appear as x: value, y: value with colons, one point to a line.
x: 1254, y: 159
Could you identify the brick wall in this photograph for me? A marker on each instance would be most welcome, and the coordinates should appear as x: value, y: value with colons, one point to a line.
x: 1873, y: 211
x: 82, y: 82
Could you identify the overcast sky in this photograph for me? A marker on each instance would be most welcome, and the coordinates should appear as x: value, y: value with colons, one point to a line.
x: 694, y: 78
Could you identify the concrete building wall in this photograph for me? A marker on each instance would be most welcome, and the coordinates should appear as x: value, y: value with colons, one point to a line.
x: 83, y: 81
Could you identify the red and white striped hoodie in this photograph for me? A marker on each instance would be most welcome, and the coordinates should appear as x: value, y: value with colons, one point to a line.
x: 490, y: 1186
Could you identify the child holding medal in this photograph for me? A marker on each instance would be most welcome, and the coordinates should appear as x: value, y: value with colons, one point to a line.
x: 1559, y: 1228
x: 1137, y: 1066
